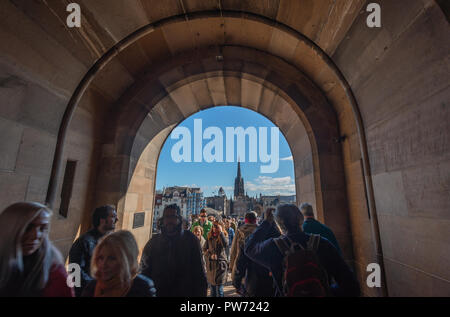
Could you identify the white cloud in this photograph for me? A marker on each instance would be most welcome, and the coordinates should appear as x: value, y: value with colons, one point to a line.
x: 288, y: 158
x: 192, y: 186
x: 267, y: 180
x: 271, y: 185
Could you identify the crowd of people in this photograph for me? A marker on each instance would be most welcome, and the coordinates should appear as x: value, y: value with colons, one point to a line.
x: 285, y: 252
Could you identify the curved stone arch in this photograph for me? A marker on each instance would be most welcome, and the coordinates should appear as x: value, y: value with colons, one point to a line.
x: 309, y: 58
x: 144, y: 159
x: 285, y: 42
x: 140, y: 191
x: 163, y: 108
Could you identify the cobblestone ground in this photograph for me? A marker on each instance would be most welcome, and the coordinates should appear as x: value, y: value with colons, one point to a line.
x: 228, y: 289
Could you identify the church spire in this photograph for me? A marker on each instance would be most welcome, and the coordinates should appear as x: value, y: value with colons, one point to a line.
x: 239, y: 182
x: 239, y: 170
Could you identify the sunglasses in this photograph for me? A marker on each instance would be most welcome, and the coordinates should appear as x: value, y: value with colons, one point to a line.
x: 202, y: 216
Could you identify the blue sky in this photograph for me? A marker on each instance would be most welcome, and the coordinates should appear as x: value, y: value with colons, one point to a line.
x: 210, y: 176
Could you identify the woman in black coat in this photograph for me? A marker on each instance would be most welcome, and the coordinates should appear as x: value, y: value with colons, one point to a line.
x: 216, y: 259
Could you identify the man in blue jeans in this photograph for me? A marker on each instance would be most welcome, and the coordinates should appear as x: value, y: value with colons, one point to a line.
x: 264, y: 251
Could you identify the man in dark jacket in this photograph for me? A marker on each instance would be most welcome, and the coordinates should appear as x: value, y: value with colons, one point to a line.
x: 173, y: 259
x: 264, y: 250
x: 104, y: 221
x: 257, y: 279
x: 311, y: 225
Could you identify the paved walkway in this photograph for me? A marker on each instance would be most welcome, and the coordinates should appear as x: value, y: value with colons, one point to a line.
x: 228, y: 289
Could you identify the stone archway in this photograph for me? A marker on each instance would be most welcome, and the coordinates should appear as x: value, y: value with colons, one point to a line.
x: 282, y: 94
x: 339, y: 171
x: 63, y: 87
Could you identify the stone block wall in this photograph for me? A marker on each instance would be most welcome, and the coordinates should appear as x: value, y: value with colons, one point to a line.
x: 400, y: 80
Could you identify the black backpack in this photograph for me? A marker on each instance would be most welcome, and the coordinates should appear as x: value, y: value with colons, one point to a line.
x: 303, y: 276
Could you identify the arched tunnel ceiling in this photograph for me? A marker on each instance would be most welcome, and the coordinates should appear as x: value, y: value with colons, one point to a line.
x: 398, y: 73
x: 203, y: 90
x: 132, y: 64
x: 173, y: 91
x: 105, y: 23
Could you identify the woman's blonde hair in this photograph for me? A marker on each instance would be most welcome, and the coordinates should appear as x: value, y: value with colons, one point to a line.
x: 123, y: 244
x: 200, y: 228
x: 22, y: 277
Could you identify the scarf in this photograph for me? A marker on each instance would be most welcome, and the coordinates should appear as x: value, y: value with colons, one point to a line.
x: 111, y: 288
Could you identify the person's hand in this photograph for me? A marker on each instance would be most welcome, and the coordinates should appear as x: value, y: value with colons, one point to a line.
x: 268, y: 215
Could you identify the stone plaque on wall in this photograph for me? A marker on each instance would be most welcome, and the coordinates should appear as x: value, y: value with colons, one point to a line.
x: 138, y: 220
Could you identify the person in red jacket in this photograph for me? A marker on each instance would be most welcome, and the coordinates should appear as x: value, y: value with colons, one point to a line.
x: 30, y: 265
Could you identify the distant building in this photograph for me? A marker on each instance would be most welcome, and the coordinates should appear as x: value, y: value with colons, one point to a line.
x: 195, y: 201
x: 275, y: 201
x: 219, y: 202
x: 190, y: 200
x: 242, y: 203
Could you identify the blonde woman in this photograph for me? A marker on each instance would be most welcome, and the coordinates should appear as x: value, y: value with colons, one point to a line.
x: 115, y: 268
x: 29, y: 263
x: 198, y: 232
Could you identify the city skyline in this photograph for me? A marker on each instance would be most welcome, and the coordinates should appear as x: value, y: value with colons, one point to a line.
x: 211, y: 176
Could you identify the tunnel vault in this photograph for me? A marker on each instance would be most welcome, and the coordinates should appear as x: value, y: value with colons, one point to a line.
x: 271, y: 69
x: 107, y: 94
x: 243, y: 78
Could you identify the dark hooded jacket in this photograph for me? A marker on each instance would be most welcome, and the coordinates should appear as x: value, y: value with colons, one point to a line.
x: 175, y: 265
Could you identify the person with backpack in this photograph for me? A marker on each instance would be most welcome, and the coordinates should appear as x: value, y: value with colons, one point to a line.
x: 301, y: 264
